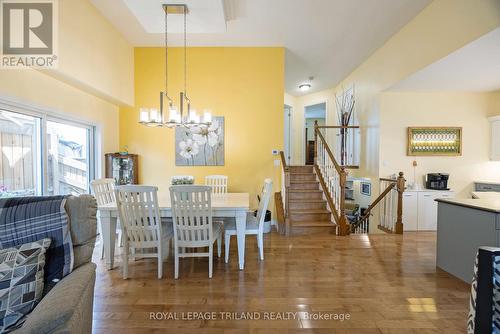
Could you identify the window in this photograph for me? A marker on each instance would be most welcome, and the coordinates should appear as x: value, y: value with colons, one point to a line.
x: 20, y: 164
x: 59, y: 162
x: 68, y: 158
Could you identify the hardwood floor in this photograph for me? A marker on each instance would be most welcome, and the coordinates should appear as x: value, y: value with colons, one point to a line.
x: 385, y: 283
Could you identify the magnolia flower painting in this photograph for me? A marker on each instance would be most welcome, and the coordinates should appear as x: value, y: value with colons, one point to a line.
x: 200, y: 146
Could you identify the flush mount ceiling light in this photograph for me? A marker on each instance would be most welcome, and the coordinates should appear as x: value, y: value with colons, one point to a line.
x: 156, y: 118
x: 305, y: 87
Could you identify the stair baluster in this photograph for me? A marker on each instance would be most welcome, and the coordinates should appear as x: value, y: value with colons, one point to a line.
x: 333, y: 179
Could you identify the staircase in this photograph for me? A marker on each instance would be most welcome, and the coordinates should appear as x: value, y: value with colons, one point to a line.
x: 307, y: 208
x: 313, y: 197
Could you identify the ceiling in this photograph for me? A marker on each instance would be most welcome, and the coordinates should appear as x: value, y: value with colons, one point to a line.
x: 324, y: 39
x: 474, y: 68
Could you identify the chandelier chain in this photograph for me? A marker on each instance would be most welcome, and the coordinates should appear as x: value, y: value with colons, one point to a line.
x: 166, y: 52
x: 185, y: 51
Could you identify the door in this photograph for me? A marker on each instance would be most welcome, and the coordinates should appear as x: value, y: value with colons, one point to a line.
x: 70, y: 164
x: 313, y: 113
x: 410, y: 211
x: 495, y: 140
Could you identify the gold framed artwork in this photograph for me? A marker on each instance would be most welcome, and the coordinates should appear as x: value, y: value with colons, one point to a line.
x: 434, y: 141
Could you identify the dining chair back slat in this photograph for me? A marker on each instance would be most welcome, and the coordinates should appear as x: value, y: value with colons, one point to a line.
x: 218, y: 183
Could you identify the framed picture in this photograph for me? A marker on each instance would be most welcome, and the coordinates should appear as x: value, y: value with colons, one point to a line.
x: 200, y: 146
x: 434, y: 141
x: 365, y: 188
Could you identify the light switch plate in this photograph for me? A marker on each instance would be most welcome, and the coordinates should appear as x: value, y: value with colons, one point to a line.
x: 277, y: 162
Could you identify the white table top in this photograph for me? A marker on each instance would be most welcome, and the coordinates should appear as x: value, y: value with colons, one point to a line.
x: 240, y: 201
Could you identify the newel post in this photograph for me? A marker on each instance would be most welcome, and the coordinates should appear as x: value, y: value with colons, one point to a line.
x: 401, y: 188
x: 344, y: 228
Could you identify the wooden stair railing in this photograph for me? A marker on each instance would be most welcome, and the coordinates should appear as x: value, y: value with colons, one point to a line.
x: 332, y: 178
x: 282, y: 199
x: 390, y: 220
x: 342, y: 133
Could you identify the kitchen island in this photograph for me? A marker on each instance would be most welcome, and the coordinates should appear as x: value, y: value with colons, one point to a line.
x: 463, y: 226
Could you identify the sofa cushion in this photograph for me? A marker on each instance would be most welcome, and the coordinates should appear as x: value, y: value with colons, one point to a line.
x: 67, y: 308
x: 21, y: 281
x: 28, y: 219
x: 83, y: 226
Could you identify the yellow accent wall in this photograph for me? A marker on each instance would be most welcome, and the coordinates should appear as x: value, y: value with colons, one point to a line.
x: 245, y: 85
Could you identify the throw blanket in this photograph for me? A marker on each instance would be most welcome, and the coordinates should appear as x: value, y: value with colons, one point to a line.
x: 29, y: 219
x: 484, y: 307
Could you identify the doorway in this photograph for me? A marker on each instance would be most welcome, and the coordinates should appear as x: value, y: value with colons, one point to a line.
x: 288, y: 125
x: 313, y: 113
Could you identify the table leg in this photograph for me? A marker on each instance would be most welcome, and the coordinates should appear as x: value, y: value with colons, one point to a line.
x: 241, y: 222
x: 108, y: 226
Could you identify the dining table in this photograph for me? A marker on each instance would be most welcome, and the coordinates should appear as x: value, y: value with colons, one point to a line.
x: 228, y: 205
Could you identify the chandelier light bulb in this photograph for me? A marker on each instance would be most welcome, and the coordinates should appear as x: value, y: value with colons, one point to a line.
x: 144, y: 115
x: 207, y: 117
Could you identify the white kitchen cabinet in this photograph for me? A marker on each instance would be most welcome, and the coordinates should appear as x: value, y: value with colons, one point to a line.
x: 495, y: 138
x: 420, y: 209
x: 427, y: 211
x: 410, y: 211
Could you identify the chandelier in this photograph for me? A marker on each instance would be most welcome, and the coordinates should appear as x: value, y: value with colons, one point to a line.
x: 185, y: 116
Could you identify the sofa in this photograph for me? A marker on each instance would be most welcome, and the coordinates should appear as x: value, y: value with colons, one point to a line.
x: 67, y: 308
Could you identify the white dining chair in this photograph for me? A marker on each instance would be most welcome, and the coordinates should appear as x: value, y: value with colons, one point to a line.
x: 254, y: 225
x: 145, y: 234
x: 104, y: 193
x: 218, y: 183
x: 193, y: 225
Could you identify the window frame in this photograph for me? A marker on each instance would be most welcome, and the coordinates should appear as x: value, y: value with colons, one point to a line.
x: 45, y: 115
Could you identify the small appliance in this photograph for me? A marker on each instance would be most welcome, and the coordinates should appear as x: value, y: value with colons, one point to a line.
x: 437, y: 181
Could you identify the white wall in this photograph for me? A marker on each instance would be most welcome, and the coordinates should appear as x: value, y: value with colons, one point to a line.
x: 95, y: 74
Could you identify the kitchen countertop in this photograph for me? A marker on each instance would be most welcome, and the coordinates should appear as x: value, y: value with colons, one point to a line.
x: 426, y: 190
x: 486, y: 204
x: 486, y: 195
x: 488, y: 182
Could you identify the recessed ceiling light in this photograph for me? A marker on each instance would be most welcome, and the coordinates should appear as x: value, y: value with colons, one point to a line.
x: 305, y: 87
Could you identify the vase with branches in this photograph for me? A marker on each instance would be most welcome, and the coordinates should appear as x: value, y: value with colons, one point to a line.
x: 345, y: 114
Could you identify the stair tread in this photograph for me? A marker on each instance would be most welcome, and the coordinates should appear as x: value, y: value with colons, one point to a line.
x: 303, y: 181
x: 300, y: 211
x: 307, y: 200
x: 314, y: 223
x: 305, y: 190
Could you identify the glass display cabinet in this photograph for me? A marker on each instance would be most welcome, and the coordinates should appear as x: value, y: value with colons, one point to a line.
x: 124, y: 168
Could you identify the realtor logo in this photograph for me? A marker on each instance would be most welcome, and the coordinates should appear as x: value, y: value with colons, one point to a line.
x: 28, y: 33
